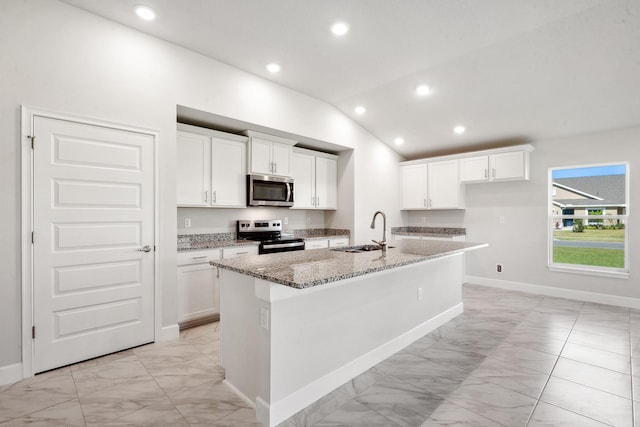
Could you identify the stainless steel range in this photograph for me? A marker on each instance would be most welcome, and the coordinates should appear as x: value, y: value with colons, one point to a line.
x: 269, y: 233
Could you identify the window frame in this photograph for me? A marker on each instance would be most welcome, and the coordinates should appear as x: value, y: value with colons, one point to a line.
x: 593, y: 270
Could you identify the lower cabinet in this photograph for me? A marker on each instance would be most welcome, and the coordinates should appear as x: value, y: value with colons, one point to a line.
x: 198, y: 286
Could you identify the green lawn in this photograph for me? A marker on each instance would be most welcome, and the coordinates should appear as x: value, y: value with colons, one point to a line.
x: 589, y: 256
x: 590, y: 235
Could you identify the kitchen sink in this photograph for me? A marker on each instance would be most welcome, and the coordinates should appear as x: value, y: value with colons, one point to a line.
x: 360, y: 248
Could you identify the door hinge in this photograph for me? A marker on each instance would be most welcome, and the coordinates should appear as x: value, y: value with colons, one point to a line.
x: 33, y: 332
x: 33, y: 139
x: 32, y: 238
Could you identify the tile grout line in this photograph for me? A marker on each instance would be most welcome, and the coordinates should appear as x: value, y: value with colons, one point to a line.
x: 553, y: 368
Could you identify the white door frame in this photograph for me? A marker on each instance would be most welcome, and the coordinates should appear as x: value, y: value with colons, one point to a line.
x: 28, y: 116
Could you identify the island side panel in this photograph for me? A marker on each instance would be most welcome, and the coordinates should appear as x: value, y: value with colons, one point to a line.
x: 323, y: 336
x: 239, y: 334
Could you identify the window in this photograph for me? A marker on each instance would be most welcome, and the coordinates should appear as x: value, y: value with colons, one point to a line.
x: 588, y: 215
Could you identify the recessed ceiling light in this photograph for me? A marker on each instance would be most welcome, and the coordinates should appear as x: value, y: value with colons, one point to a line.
x: 459, y: 129
x: 423, y: 90
x: 398, y: 141
x: 145, y: 12
x: 360, y: 109
x: 273, y: 67
x: 340, y: 28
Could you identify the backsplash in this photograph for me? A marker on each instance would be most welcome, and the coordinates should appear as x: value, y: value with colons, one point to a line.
x: 451, y: 231
x: 189, y: 241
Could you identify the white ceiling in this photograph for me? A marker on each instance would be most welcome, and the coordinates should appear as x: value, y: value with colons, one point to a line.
x: 509, y: 70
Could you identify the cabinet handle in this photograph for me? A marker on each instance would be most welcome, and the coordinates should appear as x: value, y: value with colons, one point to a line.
x: 429, y: 202
x: 313, y: 201
x: 275, y: 167
x: 317, y: 201
x: 424, y: 202
x: 199, y: 257
x: 206, y: 193
x: 215, y: 197
x: 241, y: 253
x: 270, y: 166
x: 493, y: 172
x: 218, y: 272
x: 486, y: 173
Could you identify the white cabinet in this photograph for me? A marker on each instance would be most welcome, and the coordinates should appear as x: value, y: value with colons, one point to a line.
x: 503, y: 166
x: 269, y: 155
x: 211, y: 168
x: 198, y: 285
x: 432, y: 185
x: 235, y: 252
x: 338, y: 242
x: 315, y: 177
x: 316, y: 244
x: 444, y: 190
x: 414, y: 186
x: 193, y: 166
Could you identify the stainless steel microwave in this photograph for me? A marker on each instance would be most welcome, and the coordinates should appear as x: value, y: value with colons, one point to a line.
x: 266, y: 190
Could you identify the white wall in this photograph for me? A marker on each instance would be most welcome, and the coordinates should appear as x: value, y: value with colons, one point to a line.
x: 520, y: 244
x: 56, y: 57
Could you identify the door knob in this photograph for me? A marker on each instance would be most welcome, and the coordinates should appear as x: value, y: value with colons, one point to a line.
x: 145, y: 248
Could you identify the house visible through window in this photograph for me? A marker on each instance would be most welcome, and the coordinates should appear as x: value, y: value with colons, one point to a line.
x: 588, y: 218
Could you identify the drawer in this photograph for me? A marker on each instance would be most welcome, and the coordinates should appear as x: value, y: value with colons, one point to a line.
x: 228, y: 253
x: 316, y: 244
x: 336, y: 243
x: 198, y: 257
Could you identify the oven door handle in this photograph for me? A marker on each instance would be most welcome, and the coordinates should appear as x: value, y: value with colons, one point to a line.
x: 282, y: 245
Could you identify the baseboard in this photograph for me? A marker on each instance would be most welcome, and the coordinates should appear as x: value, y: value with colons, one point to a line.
x: 556, y: 292
x: 277, y: 412
x: 10, y: 374
x: 199, y: 322
x: 170, y: 332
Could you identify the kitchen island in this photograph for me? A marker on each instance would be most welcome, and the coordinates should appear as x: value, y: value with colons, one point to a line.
x: 297, y: 325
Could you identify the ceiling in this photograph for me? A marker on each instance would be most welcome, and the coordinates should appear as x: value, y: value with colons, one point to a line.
x: 510, y: 71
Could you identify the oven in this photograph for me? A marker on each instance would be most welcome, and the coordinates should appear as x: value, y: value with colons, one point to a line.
x: 269, y: 234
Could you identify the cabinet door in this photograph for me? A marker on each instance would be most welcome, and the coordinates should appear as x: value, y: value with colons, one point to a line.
x: 303, y: 172
x: 281, y: 158
x: 326, y: 183
x: 198, y: 292
x: 508, y: 166
x: 193, y: 169
x: 444, y: 187
x: 261, y: 162
x: 474, y: 169
x: 228, y: 175
x: 414, y: 186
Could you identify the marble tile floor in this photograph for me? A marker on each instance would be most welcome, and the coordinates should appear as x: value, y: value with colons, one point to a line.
x: 512, y: 359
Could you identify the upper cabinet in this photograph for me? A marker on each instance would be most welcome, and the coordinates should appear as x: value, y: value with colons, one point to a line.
x: 269, y: 155
x: 435, y: 183
x: 500, y: 166
x: 431, y: 185
x: 315, y: 177
x: 211, y: 169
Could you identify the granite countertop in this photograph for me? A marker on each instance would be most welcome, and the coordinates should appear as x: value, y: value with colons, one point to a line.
x: 429, y: 231
x: 304, y: 269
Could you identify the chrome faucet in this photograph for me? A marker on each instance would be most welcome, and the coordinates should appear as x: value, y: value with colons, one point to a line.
x: 383, y: 242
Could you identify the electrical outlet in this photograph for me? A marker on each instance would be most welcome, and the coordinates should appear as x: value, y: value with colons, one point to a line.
x: 501, y: 219
x: 419, y: 294
x: 187, y: 223
x: 499, y: 268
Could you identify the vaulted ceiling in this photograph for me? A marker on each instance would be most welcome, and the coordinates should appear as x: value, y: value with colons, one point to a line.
x: 506, y: 70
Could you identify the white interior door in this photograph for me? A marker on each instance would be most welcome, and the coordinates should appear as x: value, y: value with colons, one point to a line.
x: 93, y: 214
